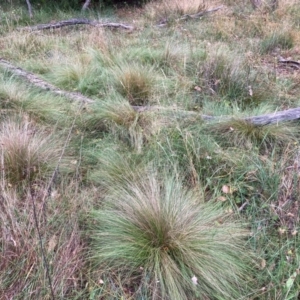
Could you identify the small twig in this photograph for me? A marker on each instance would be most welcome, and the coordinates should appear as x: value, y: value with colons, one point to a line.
x: 86, y: 4
x: 164, y: 21
x: 29, y: 8
x: 42, y: 247
x: 243, y: 206
x: 201, y: 13
x: 292, y: 63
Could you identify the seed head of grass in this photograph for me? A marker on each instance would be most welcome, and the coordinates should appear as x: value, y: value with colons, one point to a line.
x: 178, y: 246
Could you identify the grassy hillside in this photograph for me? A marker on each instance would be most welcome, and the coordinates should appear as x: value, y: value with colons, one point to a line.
x: 135, y: 195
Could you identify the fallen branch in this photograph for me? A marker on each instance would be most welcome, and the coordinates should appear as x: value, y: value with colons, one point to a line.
x: 29, y: 8
x: 77, y: 22
x: 40, y: 83
x: 291, y: 63
x: 273, y: 118
x: 198, y: 15
x: 201, y: 13
x: 86, y: 5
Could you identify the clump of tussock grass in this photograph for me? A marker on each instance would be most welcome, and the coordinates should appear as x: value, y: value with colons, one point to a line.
x: 71, y: 73
x: 116, y: 111
x: 228, y: 76
x: 134, y: 82
x: 118, y: 117
x: 244, y: 134
x: 175, y: 246
x: 282, y: 40
x: 113, y: 166
x: 26, y: 151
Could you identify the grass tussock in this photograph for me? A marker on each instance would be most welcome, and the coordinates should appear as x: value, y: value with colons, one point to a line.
x: 134, y: 83
x: 227, y: 75
x: 177, y: 246
x: 25, y: 152
x: 277, y: 41
x: 243, y: 134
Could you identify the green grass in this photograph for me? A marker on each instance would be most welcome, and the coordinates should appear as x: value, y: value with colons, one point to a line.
x: 136, y: 196
x: 167, y: 237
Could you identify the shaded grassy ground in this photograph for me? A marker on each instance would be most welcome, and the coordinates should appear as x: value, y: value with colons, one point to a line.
x: 73, y: 177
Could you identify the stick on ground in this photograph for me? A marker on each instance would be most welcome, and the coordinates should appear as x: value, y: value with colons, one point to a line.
x: 77, y: 22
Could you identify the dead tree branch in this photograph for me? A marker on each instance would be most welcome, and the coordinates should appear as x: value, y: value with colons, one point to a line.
x: 40, y: 83
x: 198, y: 15
x: 77, y: 22
x: 86, y: 4
x: 29, y: 8
x: 292, y: 63
x: 201, y: 13
x: 272, y: 118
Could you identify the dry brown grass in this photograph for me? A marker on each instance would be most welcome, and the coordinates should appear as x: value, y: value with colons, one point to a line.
x: 26, y: 152
x: 20, y: 245
x: 169, y: 8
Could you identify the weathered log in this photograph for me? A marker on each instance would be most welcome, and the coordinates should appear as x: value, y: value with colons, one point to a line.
x: 40, y: 83
x: 292, y: 63
x: 272, y: 118
x: 164, y: 21
x: 77, y: 22
x: 201, y: 13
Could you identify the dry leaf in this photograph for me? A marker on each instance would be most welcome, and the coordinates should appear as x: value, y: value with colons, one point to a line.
x: 250, y: 90
x: 197, y: 88
x: 195, y: 280
x: 225, y: 189
x: 222, y: 198
x: 263, y: 264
